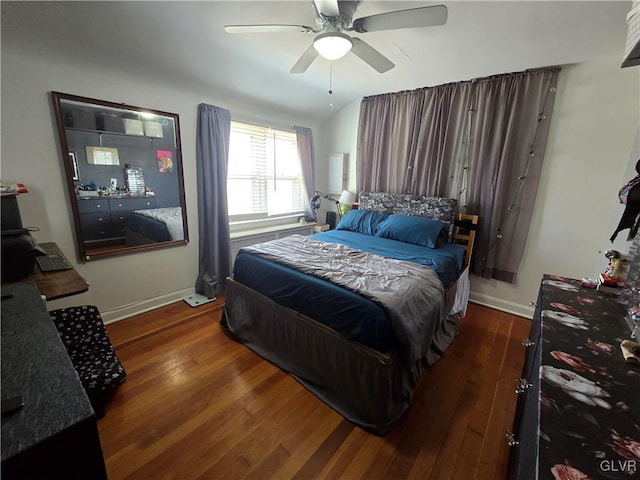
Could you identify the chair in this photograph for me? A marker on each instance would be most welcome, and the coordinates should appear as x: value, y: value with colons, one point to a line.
x: 87, y: 343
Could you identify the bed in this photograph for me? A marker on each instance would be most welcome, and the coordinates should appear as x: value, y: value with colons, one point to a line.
x: 357, y: 314
x: 154, y: 225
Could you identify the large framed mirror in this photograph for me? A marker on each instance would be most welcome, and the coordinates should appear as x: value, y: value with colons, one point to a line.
x: 124, y: 175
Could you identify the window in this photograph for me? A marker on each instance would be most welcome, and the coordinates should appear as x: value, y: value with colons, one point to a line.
x: 264, y: 179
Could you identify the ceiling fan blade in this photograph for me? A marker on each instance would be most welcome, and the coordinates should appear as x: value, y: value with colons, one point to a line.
x: 370, y: 55
x: 305, y: 60
x: 348, y: 7
x: 328, y: 8
x: 412, y: 18
x: 273, y: 28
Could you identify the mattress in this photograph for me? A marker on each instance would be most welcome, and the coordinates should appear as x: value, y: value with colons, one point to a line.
x: 354, y: 316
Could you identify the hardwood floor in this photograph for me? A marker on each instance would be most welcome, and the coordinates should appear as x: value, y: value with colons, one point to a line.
x: 196, y: 404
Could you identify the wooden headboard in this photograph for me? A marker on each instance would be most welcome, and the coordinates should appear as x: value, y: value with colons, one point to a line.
x: 464, y: 234
x: 462, y: 227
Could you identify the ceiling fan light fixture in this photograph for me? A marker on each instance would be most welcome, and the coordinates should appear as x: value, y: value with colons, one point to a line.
x: 332, y: 45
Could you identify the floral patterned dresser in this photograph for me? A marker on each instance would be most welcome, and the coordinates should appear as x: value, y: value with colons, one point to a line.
x: 578, y: 411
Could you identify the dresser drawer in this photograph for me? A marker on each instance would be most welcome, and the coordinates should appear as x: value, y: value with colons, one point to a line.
x: 128, y: 204
x: 532, y: 344
x: 96, y: 226
x: 119, y: 221
x: 523, y: 454
x: 90, y: 205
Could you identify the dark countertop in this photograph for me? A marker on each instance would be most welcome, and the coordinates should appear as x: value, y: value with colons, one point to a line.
x: 35, y: 365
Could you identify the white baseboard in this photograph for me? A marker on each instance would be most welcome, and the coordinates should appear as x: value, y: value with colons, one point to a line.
x: 120, y: 313
x: 111, y: 316
x: 502, y: 305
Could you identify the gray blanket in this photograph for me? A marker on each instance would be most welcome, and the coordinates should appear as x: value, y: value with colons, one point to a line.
x: 412, y: 294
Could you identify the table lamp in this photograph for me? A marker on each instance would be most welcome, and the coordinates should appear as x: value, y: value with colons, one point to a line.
x: 346, y: 201
x: 343, y: 204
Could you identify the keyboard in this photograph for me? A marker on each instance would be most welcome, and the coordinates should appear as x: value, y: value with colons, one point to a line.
x: 51, y: 263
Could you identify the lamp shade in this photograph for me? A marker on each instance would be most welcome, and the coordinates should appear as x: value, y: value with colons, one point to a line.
x: 347, y: 197
x: 332, y: 45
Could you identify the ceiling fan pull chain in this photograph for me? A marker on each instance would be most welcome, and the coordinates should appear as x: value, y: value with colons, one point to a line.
x: 331, y: 82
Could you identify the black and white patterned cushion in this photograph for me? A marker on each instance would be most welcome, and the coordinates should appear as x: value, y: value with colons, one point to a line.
x: 438, y: 208
x: 87, y: 342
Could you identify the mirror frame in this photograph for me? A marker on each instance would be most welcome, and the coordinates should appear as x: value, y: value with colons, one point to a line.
x: 71, y: 172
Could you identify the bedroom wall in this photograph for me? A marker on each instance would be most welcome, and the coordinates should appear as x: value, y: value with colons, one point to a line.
x: 594, y: 122
x: 30, y: 154
x: 339, y: 135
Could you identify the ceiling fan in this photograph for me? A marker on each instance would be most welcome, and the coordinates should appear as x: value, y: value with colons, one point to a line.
x: 335, y: 18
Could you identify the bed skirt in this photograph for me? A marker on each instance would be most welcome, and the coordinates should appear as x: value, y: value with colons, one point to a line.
x: 369, y: 388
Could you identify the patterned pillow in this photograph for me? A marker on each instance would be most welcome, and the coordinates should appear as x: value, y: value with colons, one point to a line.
x: 438, y: 208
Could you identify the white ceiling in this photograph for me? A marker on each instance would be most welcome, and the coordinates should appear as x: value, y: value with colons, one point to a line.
x: 185, y: 43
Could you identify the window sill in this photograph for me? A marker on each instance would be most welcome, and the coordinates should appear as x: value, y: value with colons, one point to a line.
x: 240, y: 226
x: 270, y: 229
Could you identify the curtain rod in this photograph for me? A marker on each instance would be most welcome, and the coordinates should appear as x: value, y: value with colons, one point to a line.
x: 473, y: 80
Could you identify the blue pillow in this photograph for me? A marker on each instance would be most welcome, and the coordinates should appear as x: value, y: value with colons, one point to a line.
x: 361, y: 221
x: 412, y: 229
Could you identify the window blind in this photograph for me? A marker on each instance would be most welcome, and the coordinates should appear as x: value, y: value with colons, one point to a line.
x: 264, y: 176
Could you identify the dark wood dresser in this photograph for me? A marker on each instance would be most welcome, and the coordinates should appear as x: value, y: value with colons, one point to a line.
x: 105, y: 218
x: 578, y: 409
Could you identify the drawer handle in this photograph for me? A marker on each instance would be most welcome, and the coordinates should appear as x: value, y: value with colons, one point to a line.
x: 523, y: 385
x: 99, y: 219
x: 511, y: 440
x: 98, y: 206
x: 528, y: 343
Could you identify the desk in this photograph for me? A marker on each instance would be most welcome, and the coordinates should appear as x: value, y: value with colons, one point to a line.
x: 55, y: 434
x: 62, y: 283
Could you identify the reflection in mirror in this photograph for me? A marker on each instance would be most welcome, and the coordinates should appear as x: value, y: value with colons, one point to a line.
x: 124, y: 173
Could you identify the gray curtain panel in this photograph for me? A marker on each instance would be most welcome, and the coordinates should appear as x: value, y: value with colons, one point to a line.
x: 304, y: 139
x: 509, y: 130
x: 481, y: 142
x: 388, y: 127
x: 212, y: 154
x: 410, y: 142
x: 436, y: 159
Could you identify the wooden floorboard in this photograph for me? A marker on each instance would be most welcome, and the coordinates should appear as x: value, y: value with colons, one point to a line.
x: 198, y: 405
